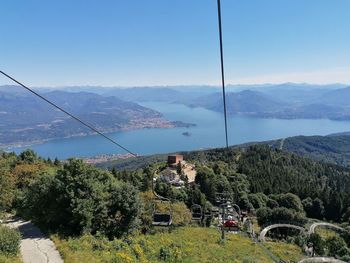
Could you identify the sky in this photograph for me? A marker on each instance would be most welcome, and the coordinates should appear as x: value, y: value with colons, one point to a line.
x: 174, y: 42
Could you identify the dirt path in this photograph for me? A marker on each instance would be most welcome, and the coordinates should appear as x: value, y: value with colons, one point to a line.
x: 35, y: 246
x: 321, y: 259
x: 281, y: 144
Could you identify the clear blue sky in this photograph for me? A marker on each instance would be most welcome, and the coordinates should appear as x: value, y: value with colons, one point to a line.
x: 166, y: 42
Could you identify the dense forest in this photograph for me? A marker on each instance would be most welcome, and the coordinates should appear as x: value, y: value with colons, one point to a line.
x: 333, y: 149
x: 271, y: 171
x: 73, y: 198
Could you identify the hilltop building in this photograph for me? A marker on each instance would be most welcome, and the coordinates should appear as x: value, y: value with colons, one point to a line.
x: 170, y: 174
x: 173, y: 160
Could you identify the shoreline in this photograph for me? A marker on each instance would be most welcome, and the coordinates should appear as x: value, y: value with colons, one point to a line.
x: 165, y: 125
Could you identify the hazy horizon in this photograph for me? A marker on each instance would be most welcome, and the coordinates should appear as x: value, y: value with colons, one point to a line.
x: 187, y: 85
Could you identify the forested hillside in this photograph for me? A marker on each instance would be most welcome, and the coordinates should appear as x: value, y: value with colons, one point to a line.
x: 25, y: 119
x: 74, y: 199
x: 334, y: 149
x: 285, y: 101
x: 270, y: 171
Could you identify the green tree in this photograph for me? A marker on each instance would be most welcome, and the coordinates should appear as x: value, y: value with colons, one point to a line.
x: 264, y: 215
x: 334, y: 207
x: 313, y: 208
x: 8, y: 190
x: 258, y: 200
x: 56, y: 162
x: 28, y: 156
x: 195, y: 196
x: 317, y: 243
x: 179, y: 168
x: 290, y: 201
x: 124, y: 208
x: 83, y: 199
x: 271, y: 203
x: 205, y: 178
x: 146, y: 179
x: 336, y: 246
x: 10, y: 240
x: 39, y: 202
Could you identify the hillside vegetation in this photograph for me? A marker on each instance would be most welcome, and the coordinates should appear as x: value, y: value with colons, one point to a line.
x: 185, y: 244
x: 27, y: 119
x: 76, y: 200
x: 334, y: 149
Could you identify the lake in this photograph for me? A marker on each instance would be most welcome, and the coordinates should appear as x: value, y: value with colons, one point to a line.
x: 208, y: 133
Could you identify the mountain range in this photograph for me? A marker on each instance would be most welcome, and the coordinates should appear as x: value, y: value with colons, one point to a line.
x: 26, y: 119
x: 284, y: 101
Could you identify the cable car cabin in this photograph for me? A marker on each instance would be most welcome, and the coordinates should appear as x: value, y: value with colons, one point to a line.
x: 162, y: 219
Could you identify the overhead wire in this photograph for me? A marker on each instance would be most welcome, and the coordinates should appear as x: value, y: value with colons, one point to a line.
x: 110, y: 139
x: 222, y: 70
x: 69, y: 114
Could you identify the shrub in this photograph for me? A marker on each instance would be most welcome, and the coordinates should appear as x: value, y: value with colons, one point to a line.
x: 164, y: 253
x: 256, y: 201
x: 279, y: 214
x: 82, y: 199
x: 318, y: 243
x: 313, y: 208
x: 9, y: 241
x: 7, y: 186
x: 290, y: 201
x: 336, y: 246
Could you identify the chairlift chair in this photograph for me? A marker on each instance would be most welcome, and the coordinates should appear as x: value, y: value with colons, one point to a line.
x: 215, y: 211
x: 221, y: 198
x: 161, y: 218
x: 208, y: 213
x: 197, y: 212
x: 231, y: 225
x: 231, y: 222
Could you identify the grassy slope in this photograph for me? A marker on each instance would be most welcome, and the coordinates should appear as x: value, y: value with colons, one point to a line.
x: 186, y: 244
x: 326, y: 233
x: 9, y: 259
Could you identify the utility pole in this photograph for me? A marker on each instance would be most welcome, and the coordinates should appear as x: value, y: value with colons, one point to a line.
x: 223, y: 222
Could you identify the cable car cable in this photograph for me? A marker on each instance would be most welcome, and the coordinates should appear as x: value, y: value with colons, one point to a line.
x: 222, y: 69
x: 110, y: 139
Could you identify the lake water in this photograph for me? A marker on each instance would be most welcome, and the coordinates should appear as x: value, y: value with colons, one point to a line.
x: 208, y: 133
